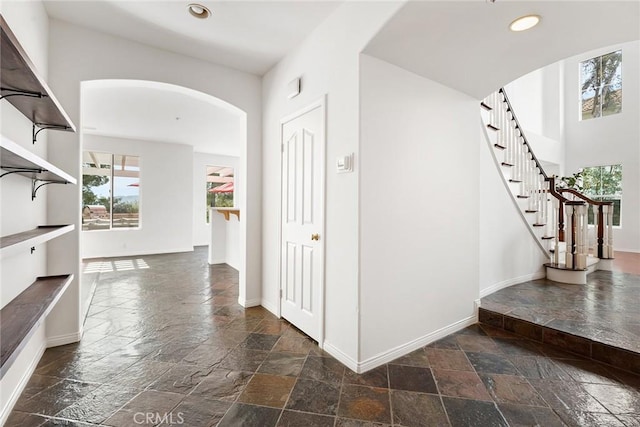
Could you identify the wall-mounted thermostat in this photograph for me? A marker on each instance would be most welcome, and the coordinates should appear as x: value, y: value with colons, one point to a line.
x: 344, y: 163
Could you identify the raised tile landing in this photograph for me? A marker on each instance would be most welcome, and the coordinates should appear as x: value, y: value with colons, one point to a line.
x: 599, y: 320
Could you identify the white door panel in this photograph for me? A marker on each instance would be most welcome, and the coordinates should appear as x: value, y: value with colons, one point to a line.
x: 302, y: 249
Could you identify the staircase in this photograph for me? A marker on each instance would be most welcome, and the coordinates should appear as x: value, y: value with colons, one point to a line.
x: 556, y: 216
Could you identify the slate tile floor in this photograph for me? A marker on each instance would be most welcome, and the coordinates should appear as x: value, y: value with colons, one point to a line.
x: 167, y: 344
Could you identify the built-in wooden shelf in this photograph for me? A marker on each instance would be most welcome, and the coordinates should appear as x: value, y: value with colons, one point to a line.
x: 227, y: 212
x: 21, y: 317
x: 16, y: 160
x: 25, y: 89
x: 22, y: 241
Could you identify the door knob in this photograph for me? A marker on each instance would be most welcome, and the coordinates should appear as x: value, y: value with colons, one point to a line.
x: 315, y: 236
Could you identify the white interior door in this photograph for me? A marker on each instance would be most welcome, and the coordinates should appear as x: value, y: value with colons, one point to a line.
x: 302, y: 248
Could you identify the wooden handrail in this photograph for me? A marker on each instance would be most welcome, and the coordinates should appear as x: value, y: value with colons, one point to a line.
x: 524, y: 138
x: 583, y: 197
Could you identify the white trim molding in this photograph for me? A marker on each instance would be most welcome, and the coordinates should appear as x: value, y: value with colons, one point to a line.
x: 64, y: 339
x: 250, y: 302
x: 342, y: 357
x: 407, y: 348
x: 514, y: 281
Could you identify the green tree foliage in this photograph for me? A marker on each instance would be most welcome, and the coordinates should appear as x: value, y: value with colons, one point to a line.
x: 88, y: 196
x: 601, y: 77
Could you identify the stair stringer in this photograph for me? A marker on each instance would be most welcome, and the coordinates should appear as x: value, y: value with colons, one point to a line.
x: 514, y: 199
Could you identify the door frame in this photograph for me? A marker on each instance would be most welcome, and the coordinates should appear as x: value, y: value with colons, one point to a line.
x: 322, y: 104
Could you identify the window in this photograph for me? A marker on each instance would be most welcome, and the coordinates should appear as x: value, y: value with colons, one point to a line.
x: 601, y: 86
x: 220, y: 187
x: 604, y: 183
x: 110, y: 191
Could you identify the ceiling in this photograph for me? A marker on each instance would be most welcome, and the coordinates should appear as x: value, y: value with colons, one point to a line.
x: 251, y: 36
x: 162, y: 112
x: 467, y: 45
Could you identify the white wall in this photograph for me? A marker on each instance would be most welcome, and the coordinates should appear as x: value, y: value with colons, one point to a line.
x: 78, y: 54
x: 418, y: 209
x: 538, y: 101
x: 327, y: 61
x: 29, y: 23
x: 166, y: 200
x: 610, y: 140
x: 201, y: 229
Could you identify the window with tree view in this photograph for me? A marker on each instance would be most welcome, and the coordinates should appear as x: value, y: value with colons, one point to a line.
x: 601, y: 86
x: 110, y: 191
x: 220, y: 187
x: 604, y: 183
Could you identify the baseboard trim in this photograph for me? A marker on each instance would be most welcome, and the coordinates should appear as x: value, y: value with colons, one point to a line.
x: 15, y: 395
x: 250, y: 302
x: 142, y: 252
x: 506, y: 283
x: 345, y: 359
x: 64, y: 339
x: 404, y: 349
x: 273, y: 308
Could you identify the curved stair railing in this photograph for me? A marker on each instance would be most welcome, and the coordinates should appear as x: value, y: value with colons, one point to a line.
x: 560, y: 214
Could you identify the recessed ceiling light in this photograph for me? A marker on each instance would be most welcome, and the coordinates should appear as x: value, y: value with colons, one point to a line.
x: 199, y: 11
x: 524, y: 23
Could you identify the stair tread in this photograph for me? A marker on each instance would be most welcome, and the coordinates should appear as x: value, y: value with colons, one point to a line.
x: 501, y: 147
x: 486, y: 106
x: 506, y: 164
x: 515, y: 180
x: 531, y: 211
x: 520, y: 196
x: 538, y: 225
x: 493, y: 127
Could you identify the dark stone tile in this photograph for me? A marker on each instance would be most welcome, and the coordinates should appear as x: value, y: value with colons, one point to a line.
x: 141, y: 374
x: 256, y: 341
x: 241, y: 414
x: 523, y: 328
x: 181, y: 378
x: 616, y: 357
x: 460, y: 384
x: 22, y: 419
x: 98, y: 405
x: 526, y: 416
x: 588, y: 419
x: 411, y: 378
x: 365, y: 403
x: 449, y: 343
x: 377, y: 377
x: 629, y: 420
x: 415, y: 358
x: 587, y: 371
x: 471, y: 330
x: 480, y: 344
x: 495, y: 332
x: 561, y: 339
x: 539, y: 368
x: 314, y: 396
x: 222, y: 384
x: 267, y: 390
x: 282, y: 364
x: 195, y: 411
x: 243, y: 359
x: 36, y: 384
x: 272, y: 327
x: 491, y: 363
x: 55, y: 398
x: 417, y: 409
x: 619, y: 400
x: 518, y: 347
x: 561, y: 395
x: 294, y: 344
x: 323, y: 369
x: 511, y: 389
x: 346, y: 422
x: 302, y: 419
x: 448, y: 359
x: 207, y: 355
x: 490, y: 318
x: 465, y: 413
x: 153, y: 401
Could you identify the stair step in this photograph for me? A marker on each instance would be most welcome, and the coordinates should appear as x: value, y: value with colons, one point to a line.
x: 520, y: 196
x: 531, y: 211
x: 538, y: 225
x: 506, y: 164
x: 486, y: 106
x: 548, y: 238
x: 515, y: 180
x: 501, y: 147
